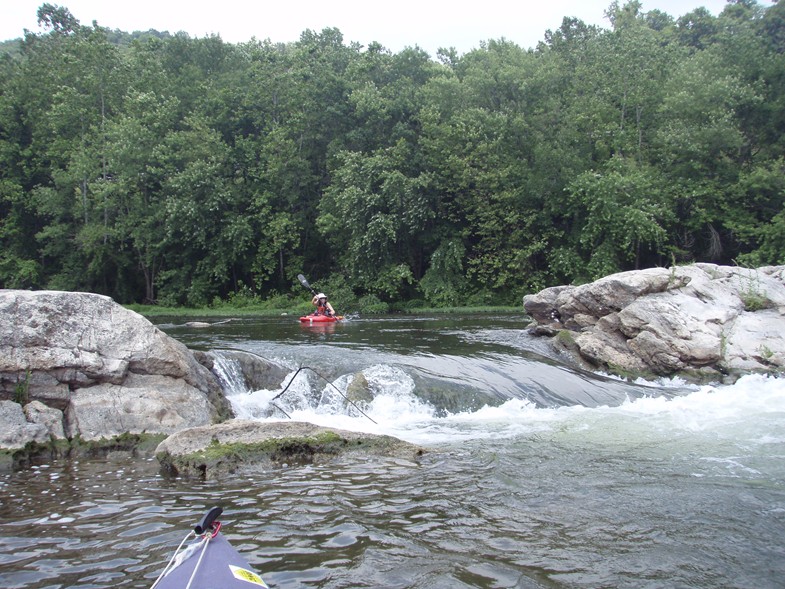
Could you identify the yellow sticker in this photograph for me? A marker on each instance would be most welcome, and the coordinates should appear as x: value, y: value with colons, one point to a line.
x: 246, y: 575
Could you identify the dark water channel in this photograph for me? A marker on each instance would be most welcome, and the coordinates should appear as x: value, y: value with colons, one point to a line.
x: 537, y: 476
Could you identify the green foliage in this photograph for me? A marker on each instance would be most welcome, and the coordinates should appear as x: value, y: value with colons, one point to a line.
x: 371, y: 304
x: 375, y: 214
x: 161, y: 168
x: 758, y: 214
x: 444, y: 283
x: 620, y: 215
x: 22, y: 390
x: 752, y: 296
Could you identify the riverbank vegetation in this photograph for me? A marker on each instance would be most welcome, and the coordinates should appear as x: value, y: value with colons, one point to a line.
x: 165, y: 169
x: 295, y: 309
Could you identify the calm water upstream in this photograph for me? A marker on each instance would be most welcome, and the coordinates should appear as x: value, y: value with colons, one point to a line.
x: 538, y: 476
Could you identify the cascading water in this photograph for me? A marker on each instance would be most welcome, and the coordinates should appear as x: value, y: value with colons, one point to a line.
x: 387, y: 392
x: 229, y: 373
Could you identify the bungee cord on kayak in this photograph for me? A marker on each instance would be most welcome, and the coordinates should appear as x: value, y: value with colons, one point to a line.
x: 218, y: 563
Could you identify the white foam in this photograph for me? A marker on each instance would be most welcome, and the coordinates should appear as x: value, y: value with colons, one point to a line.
x: 395, y: 409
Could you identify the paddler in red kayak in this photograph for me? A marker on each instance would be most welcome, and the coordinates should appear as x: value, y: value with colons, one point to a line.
x: 323, y: 306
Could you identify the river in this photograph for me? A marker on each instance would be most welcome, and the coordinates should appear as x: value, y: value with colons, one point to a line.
x: 537, y: 475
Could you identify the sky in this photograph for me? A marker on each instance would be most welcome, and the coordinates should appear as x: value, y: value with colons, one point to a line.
x: 428, y: 24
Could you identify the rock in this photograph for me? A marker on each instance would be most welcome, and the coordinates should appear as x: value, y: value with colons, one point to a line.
x: 199, y: 324
x: 49, y: 417
x: 701, y: 319
x: 359, y: 391
x: 212, y: 451
x: 202, y: 324
x: 142, y: 404
x: 542, y: 306
x: 108, y: 369
x: 609, y: 350
x: 16, y: 431
x: 257, y: 372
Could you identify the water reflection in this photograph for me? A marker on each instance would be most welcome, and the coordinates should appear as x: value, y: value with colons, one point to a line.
x: 551, y: 508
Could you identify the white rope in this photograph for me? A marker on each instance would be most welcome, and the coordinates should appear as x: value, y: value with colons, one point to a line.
x: 169, y: 566
x: 207, y: 538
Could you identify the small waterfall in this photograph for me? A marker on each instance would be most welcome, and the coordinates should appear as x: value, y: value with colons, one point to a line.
x: 229, y: 374
x: 387, y: 392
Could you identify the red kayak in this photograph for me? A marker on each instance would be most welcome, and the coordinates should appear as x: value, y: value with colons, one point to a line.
x: 320, y: 318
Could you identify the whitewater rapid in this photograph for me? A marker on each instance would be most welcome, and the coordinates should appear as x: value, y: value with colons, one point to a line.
x: 749, y: 411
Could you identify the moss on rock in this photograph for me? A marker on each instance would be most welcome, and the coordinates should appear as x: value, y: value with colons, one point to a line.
x: 210, y: 452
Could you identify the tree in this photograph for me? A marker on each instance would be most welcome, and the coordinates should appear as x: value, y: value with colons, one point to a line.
x: 621, y: 215
x: 207, y: 231
x: 756, y: 214
x: 374, y: 216
x: 182, y: 170
x: 135, y: 180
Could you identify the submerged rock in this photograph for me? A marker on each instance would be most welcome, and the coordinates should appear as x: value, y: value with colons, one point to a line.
x: 359, y: 390
x: 257, y: 373
x: 211, y: 451
x: 703, y: 321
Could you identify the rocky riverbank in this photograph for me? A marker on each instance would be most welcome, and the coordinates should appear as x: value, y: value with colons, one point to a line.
x: 703, y: 322
x: 80, y: 374
x: 78, y: 365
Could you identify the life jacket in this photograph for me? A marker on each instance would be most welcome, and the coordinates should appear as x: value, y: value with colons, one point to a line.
x: 322, y: 309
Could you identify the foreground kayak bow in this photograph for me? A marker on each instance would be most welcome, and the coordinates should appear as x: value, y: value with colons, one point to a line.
x: 208, y: 562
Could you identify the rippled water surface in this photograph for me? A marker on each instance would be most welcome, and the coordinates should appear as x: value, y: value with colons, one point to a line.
x: 563, y: 479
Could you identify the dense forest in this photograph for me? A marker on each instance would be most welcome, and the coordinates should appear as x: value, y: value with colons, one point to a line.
x: 184, y: 171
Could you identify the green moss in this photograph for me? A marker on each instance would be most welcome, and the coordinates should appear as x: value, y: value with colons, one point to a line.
x: 135, y: 444
x: 6, y: 461
x: 217, y: 459
x: 631, y: 375
x: 37, y: 453
x: 565, y: 338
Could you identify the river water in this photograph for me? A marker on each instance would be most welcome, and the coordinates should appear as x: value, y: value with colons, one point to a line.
x: 537, y: 475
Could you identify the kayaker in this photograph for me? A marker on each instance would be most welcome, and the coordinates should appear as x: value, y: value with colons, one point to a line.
x: 323, y: 306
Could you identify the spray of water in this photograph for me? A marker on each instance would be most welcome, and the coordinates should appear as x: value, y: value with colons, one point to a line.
x: 390, y: 401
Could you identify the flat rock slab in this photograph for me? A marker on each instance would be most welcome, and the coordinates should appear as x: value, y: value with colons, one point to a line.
x: 211, y: 451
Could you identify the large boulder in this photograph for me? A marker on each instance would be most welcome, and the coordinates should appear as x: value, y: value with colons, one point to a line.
x: 703, y: 321
x: 49, y: 417
x: 108, y: 369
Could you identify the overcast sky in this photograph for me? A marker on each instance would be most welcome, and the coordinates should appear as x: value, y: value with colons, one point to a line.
x: 430, y: 24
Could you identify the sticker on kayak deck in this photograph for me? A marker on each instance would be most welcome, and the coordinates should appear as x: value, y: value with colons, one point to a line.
x: 246, y: 575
